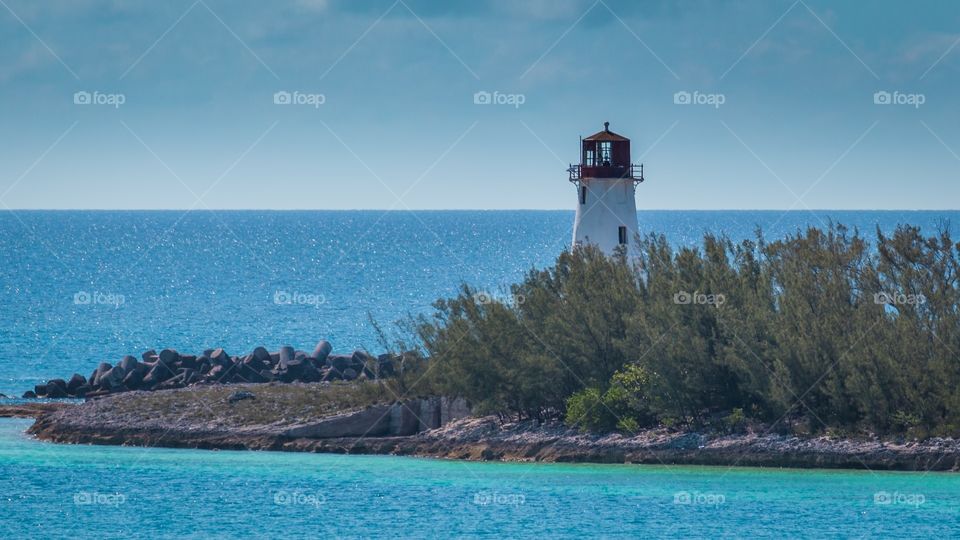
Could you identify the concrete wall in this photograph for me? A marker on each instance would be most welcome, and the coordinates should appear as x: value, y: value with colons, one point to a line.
x: 399, y: 419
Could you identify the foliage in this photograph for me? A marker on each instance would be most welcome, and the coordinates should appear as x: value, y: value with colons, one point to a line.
x: 623, y: 406
x: 818, y: 329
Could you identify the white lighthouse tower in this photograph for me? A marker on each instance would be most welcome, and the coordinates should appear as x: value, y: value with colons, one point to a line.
x: 606, y: 183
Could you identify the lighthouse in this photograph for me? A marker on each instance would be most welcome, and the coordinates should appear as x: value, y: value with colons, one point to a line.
x: 606, y: 184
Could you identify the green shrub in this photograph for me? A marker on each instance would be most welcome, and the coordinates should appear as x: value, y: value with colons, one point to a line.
x: 735, y: 421
x: 585, y: 410
x: 816, y: 330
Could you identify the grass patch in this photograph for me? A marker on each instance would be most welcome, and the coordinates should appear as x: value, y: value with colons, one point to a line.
x: 275, y: 404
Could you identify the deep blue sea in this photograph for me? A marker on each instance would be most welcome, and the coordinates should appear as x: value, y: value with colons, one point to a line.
x: 79, y: 287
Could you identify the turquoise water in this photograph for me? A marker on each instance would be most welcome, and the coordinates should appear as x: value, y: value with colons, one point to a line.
x: 114, y: 492
x: 202, y: 279
x: 205, y: 279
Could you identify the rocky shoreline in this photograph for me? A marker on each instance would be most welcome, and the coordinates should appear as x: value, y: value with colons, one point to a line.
x: 432, y: 427
x: 170, y: 369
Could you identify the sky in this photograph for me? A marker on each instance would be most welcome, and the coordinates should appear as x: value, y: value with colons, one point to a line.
x: 381, y: 104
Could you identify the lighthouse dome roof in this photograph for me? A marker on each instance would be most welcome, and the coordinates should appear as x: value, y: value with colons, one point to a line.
x: 606, y: 135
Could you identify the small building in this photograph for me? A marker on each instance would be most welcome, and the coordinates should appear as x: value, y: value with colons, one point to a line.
x: 606, y: 182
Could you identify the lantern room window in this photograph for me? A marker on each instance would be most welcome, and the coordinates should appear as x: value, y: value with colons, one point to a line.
x: 606, y: 153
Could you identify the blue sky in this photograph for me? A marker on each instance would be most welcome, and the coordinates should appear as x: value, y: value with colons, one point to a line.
x: 798, y: 126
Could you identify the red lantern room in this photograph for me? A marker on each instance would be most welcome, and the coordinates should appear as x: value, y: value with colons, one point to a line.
x: 605, y: 154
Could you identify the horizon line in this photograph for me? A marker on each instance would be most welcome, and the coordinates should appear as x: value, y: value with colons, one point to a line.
x: 205, y: 210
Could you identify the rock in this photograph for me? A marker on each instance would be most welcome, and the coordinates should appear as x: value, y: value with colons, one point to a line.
x: 291, y: 364
x: 253, y: 362
x: 170, y: 369
x: 309, y: 373
x: 385, y: 365
x: 219, y: 357
x: 282, y: 375
x: 128, y: 363
x: 134, y: 379
x: 56, y: 391
x: 240, y: 395
x: 29, y: 394
x: 204, y: 364
x: 76, y: 381
x: 112, y: 379
x: 286, y: 354
x: 189, y: 361
x: 262, y: 355
x: 339, y: 362
x: 169, y: 357
x: 250, y: 373
x: 102, y: 368
x: 360, y: 358
x: 157, y: 375
x: 216, y: 373
x: 82, y: 390
x: 322, y: 350
x: 174, y: 382
x: 190, y: 376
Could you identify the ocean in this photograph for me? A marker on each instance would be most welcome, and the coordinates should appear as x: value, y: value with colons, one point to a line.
x: 53, y: 491
x: 80, y: 287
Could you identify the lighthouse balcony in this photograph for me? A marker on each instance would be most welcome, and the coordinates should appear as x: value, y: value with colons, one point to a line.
x: 579, y: 172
